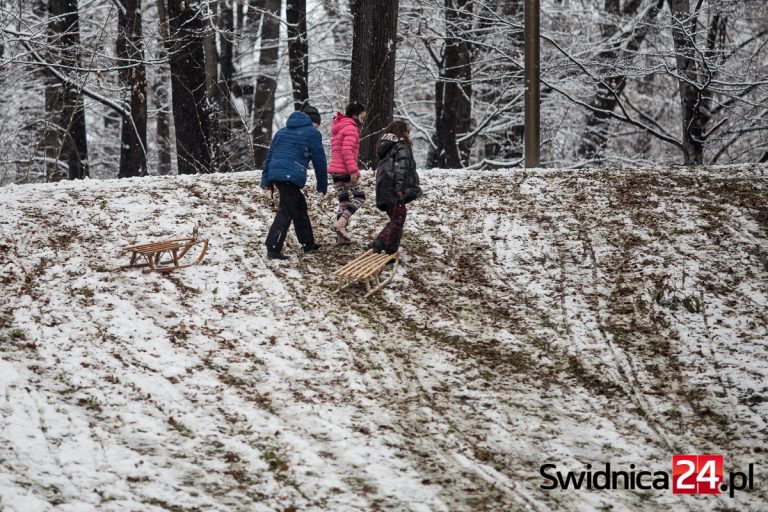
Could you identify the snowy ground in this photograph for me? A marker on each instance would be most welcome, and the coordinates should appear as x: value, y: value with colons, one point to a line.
x: 538, y: 317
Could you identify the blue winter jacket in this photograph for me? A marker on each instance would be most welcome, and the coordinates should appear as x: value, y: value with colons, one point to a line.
x: 290, y: 152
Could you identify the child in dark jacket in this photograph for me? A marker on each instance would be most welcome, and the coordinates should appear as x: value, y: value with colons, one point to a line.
x: 397, y: 184
x: 286, y: 168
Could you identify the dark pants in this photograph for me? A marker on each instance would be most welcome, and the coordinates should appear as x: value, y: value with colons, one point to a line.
x: 292, y: 208
x: 393, y: 231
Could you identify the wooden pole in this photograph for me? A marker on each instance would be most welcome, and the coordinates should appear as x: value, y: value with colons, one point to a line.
x: 532, y: 87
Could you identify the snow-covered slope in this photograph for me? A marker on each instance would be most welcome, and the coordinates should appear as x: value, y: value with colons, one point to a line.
x: 538, y: 317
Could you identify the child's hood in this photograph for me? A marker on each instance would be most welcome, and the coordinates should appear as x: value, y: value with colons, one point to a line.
x: 340, y: 121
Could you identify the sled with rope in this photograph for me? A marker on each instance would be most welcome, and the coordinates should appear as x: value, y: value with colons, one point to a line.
x: 167, y: 255
x: 367, y: 269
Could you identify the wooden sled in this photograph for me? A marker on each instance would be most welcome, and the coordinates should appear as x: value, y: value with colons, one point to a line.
x: 367, y: 268
x: 173, y: 251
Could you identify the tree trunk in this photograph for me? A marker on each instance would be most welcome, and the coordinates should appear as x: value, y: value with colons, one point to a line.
x: 133, y: 156
x: 455, y: 117
x: 226, y: 59
x: 298, y: 51
x: 163, y: 127
x: 240, y: 10
x: 264, y: 96
x: 65, y: 136
x: 690, y: 94
x: 211, y: 55
x: 372, y: 78
x: 191, y: 110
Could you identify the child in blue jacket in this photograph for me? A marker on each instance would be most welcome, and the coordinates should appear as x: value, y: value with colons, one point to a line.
x: 286, y: 167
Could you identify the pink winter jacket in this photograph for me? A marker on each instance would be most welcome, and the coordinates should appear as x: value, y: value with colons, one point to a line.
x: 345, y: 143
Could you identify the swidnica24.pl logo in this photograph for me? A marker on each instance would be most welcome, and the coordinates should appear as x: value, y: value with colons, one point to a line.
x: 691, y: 474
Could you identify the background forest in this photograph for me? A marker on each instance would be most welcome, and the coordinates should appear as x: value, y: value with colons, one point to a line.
x: 108, y: 88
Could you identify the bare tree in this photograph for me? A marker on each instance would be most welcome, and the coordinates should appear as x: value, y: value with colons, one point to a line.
x: 65, y: 136
x: 619, y: 44
x: 453, y: 89
x: 693, y: 74
x: 716, y: 62
x: 690, y: 94
x: 476, y: 66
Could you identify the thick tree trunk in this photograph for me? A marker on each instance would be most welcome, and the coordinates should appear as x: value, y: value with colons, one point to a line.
x: 690, y: 94
x: 191, y: 109
x: 362, y: 28
x: 372, y: 79
x: 264, y: 96
x: 65, y: 136
x: 455, y: 117
x: 298, y: 51
x: 133, y: 156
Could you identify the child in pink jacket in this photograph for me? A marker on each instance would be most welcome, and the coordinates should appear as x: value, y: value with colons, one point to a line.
x: 345, y: 144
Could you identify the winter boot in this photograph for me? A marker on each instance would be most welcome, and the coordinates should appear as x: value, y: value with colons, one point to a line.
x: 276, y: 255
x: 341, y: 240
x: 312, y: 248
x: 341, y: 229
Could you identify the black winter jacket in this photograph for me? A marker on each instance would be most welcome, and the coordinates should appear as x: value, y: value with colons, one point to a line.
x: 396, y: 172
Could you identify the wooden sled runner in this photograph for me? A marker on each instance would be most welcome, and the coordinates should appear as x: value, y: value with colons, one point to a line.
x: 367, y: 268
x: 173, y: 251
